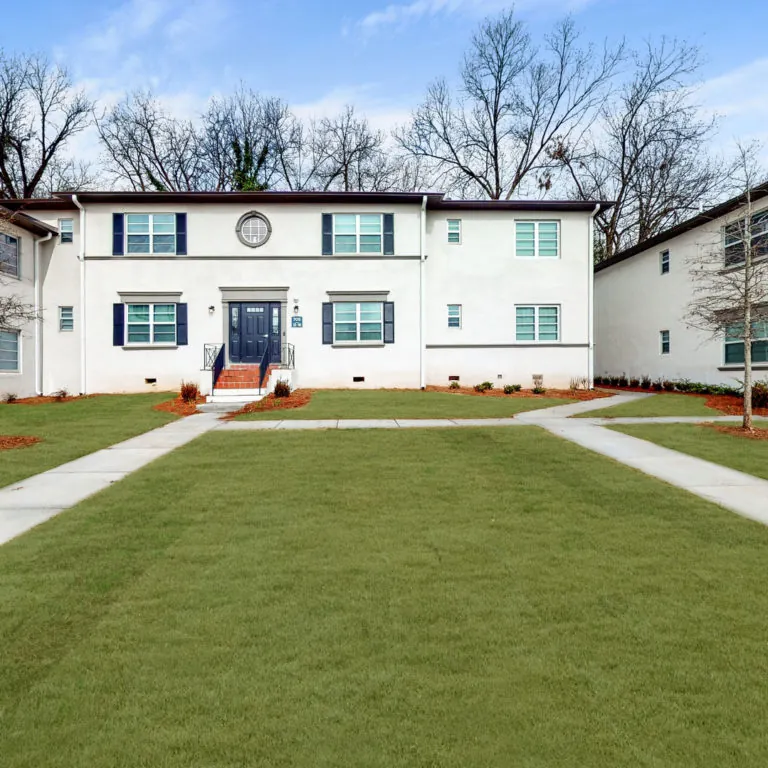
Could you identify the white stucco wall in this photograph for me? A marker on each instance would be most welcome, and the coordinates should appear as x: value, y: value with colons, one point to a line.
x: 634, y: 302
x: 482, y: 274
x: 21, y: 383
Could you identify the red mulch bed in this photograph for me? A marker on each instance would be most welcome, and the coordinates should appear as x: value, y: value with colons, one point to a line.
x: 179, y: 407
x: 757, y: 434
x: 571, y: 394
x: 45, y: 399
x: 727, y: 404
x: 297, y: 399
x: 8, y: 442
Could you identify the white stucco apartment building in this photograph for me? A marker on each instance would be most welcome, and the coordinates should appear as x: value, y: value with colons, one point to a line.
x: 139, y: 291
x: 641, y: 296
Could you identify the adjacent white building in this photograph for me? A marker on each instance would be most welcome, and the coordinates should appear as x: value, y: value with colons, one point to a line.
x: 641, y: 296
x: 139, y: 291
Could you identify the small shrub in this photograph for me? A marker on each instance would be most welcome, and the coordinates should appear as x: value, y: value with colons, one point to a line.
x: 645, y: 381
x: 282, y: 388
x: 658, y: 385
x: 454, y: 385
x: 598, y: 381
x: 760, y: 394
x: 60, y: 394
x: 623, y: 380
x: 189, y: 392
x: 10, y: 397
x: 684, y: 385
x: 579, y: 382
x: 538, y: 390
x: 510, y: 388
x: 669, y: 386
x: 538, y: 381
x: 634, y: 383
x: 484, y: 386
x: 614, y: 380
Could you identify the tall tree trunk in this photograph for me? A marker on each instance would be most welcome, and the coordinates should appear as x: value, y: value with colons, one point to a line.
x: 747, y: 410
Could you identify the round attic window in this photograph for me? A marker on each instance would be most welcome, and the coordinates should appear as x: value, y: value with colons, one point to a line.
x: 253, y: 229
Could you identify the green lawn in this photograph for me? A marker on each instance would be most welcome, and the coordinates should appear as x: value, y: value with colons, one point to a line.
x: 452, y: 598
x: 72, y: 429
x: 740, y: 453
x: 668, y: 404
x: 406, y: 404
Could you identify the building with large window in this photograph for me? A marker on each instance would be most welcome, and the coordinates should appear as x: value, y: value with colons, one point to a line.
x: 142, y: 290
x: 642, y: 295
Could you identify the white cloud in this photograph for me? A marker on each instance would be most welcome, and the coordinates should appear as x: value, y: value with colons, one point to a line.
x: 404, y: 13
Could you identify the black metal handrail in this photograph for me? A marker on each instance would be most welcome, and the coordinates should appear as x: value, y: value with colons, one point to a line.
x: 214, y: 356
x: 264, y: 364
x: 218, y: 365
x: 289, y: 356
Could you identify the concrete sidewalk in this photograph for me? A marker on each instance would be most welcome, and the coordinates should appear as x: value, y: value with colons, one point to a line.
x: 30, y: 502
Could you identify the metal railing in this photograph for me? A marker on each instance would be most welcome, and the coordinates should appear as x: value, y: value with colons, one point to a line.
x: 289, y: 356
x: 214, y: 356
x: 264, y: 364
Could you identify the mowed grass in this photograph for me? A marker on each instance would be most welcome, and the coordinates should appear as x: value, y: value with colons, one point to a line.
x: 744, y: 454
x: 453, y: 598
x: 668, y: 404
x: 406, y: 404
x: 74, y: 428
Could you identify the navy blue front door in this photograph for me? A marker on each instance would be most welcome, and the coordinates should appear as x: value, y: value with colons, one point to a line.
x: 252, y: 326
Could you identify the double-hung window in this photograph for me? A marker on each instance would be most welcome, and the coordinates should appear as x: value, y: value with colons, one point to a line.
x: 537, y: 323
x: 664, y: 342
x: 66, y: 319
x: 9, y: 351
x: 454, y: 231
x: 357, y: 233
x: 150, y: 232
x: 454, y: 315
x: 356, y: 322
x: 734, y: 235
x: 66, y: 231
x: 664, y: 260
x: 151, y: 323
x: 9, y: 255
x: 537, y: 239
x: 734, y: 343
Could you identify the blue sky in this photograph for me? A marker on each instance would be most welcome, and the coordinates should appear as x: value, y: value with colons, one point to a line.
x: 379, y: 54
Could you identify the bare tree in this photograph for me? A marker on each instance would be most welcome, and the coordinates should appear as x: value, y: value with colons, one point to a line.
x: 14, y: 311
x: 496, y: 137
x: 647, y: 152
x: 730, y: 276
x: 39, y: 114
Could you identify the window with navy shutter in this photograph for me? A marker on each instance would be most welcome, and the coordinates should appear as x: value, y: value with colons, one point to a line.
x: 389, y: 322
x: 181, y: 325
x: 118, y: 325
x: 389, y: 234
x: 328, y: 323
x: 327, y: 235
x: 181, y: 234
x: 118, y: 234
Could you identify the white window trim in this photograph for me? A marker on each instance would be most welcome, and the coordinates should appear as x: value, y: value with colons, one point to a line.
x: 726, y: 343
x: 358, y: 342
x: 449, y: 233
x: 17, y: 274
x: 536, y: 223
x: 19, y: 355
x: 460, y: 316
x: 661, y: 262
x: 662, y: 353
x: 754, y: 231
x: 357, y: 216
x: 536, y: 308
x: 151, y: 250
x: 151, y: 323
x: 71, y: 232
x: 61, y: 318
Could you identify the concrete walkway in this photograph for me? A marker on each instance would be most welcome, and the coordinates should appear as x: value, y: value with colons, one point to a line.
x: 36, y: 499
x: 30, y: 502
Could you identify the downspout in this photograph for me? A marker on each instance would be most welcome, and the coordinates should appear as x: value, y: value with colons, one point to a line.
x: 38, y: 318
x: 591, y: 299
x: 422, y: 294
x: 81, y: 259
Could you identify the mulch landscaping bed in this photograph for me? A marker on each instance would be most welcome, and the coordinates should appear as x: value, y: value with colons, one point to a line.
x: 297, y: 399
x: 571, y: 394
x: 757, y: 434
x: 179, y: 406
x: 8, y: 442
x: 730, y: 405
x: 45, y: 399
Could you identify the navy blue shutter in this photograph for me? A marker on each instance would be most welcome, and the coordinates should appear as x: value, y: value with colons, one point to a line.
x: 181, y: 234
x: 327, y: 234
x: 118, y: 325
x: 118, y: 234
x: 389, y: 234
x: 389, y: 322
x: 327, y: 322
x: 181, y: 325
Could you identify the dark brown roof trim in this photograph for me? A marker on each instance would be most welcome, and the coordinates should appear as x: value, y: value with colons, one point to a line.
x: 28, y: 223
x: 519, y: 205
x: 686, y: 226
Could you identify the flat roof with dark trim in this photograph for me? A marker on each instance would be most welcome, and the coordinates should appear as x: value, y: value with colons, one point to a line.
x: 28, y: 223
x: 686, y: 226
x: 435, y: 200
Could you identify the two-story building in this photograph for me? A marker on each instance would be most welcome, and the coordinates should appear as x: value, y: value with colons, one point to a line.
x: 642, y: 297
x: 143, y: 290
